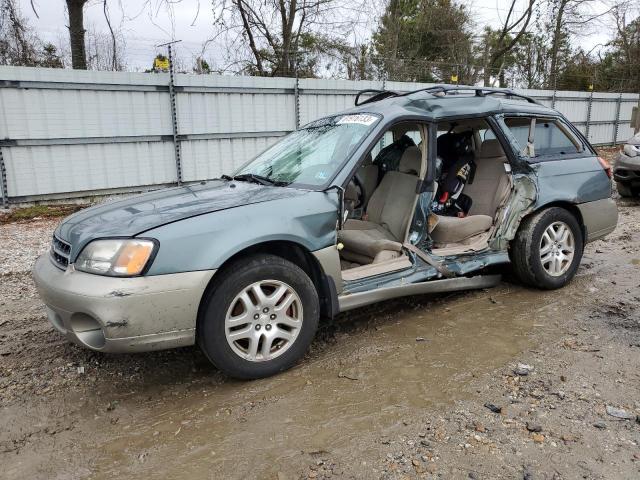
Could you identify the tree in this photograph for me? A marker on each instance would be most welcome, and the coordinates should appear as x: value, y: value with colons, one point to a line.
x: 103, y: 50
x: 579, y: 73
x: 274, y: 37
x: 500, y: 43
x: 50, y: 58
x: 19, y: 44
x: 201, y: 66
x: 424, y: 40
x: 619, y: 69
x: 75, y: 10
x: 78, y: 38
x: 358, y: 63
x: 530, y: 61
x: 567, y: 18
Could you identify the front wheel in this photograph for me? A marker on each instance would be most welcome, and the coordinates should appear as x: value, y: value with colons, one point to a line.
x: 547, y: 249
x: 259, y: 318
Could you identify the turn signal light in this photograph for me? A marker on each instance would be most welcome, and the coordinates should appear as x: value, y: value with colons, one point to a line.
x: 132, y: 258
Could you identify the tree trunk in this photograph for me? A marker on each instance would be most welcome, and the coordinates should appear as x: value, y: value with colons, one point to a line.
x: 486, y: 71
x: 555, y: 44
x: 76, y: 33
x: 287, y: 19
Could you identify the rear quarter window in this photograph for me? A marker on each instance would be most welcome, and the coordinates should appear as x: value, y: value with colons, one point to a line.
x: 550, y: 137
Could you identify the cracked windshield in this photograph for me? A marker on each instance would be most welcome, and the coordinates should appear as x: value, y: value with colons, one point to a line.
x: 312, y: 155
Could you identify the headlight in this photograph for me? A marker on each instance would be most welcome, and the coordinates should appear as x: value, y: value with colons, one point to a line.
x: 631, y: 150
x: 116, y: 258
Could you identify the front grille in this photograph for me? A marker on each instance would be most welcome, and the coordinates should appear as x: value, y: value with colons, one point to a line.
x: 60, y: 252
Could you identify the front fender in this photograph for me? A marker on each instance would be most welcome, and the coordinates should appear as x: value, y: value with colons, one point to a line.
x: 205, y: 242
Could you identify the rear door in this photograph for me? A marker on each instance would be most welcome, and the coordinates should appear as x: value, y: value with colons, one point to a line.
x: 566, y: 166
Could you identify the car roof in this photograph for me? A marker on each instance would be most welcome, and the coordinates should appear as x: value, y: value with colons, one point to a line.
x: 440, y: 107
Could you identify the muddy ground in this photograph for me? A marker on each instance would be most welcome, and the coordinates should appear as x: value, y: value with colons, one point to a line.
x: 423, y: 387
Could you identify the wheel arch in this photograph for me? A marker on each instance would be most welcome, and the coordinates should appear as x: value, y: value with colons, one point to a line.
x: 570, y: 207
x: 293, y: 252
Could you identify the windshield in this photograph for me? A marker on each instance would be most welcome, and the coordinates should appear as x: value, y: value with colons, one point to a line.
x: 313, y: 154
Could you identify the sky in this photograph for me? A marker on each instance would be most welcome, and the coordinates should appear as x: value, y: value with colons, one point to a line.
x: 147, y: 23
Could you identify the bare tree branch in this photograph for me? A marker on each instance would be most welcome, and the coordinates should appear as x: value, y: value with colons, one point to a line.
x: 113, y: 36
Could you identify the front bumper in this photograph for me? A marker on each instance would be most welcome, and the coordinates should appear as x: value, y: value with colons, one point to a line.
x: 121, y: 314
x: 627, y: 169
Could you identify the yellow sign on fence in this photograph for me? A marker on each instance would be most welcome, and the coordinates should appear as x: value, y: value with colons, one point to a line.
x: 454, y: 78
x: 161, y: 63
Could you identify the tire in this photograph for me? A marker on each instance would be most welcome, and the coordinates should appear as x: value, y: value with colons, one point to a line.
x: 247, y: 303
x: 624, y: 190
x: 526, y: 249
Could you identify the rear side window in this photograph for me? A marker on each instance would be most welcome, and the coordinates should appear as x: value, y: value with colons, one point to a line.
x: 520, y: 129
x: 549, y: 137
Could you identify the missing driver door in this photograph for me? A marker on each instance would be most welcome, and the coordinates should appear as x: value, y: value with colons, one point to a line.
x: 417, y: 233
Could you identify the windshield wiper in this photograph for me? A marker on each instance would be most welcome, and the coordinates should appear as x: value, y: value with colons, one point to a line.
x: 252, y: 177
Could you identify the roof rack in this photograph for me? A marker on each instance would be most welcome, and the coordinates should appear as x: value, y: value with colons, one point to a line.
x: 377, y: 95
x: 445, y: 89
x: 479, y: 91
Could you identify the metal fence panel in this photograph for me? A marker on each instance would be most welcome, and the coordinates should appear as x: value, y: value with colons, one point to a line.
x: 52, y: 103
x: 44, y: 170
x: 211, y: 158
x: 629, y: 100
x: 322, y: 97
x: 217, y: 104
x: 66, y: 133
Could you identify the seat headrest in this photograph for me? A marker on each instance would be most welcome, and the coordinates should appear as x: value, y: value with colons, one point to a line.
x: 491, y: 148
x: 411, y: 161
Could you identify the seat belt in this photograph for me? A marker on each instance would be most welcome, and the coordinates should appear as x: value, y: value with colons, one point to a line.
x: 530, y: 149
x: 427, y: 259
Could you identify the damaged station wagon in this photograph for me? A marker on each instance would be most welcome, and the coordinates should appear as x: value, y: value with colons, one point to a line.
x: 407, y: 193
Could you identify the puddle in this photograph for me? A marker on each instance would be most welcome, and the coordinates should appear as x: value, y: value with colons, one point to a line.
x: 372, y: 377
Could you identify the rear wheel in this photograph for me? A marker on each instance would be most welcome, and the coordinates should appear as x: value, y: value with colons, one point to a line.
x: 624, y: 190
x: 259, y: 318
x: 547, y: 249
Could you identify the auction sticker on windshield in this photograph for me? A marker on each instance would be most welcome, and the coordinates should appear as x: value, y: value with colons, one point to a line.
x: 362, y: 119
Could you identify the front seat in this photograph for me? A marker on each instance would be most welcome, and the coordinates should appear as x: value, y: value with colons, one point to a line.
x: 389, y: 211
x: 368, y: 175
x: 488, y: 190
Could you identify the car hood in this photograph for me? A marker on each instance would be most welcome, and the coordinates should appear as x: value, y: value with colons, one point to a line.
x: 137, y: 214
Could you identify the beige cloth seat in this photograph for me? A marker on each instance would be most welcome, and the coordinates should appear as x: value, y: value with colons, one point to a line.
x: 368, y: 174
x: 389, y: 211
x: 491, y: 183
x: 456, y: 230
x: 490, y: 187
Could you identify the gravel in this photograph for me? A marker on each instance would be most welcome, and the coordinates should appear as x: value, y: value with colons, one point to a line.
x: 21, y: 243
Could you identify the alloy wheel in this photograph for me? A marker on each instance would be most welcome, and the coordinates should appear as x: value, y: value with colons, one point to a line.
x: 557, y: 248
x: 263, y: 320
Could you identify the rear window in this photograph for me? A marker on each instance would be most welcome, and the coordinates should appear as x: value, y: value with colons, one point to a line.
x: 549, y: 137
